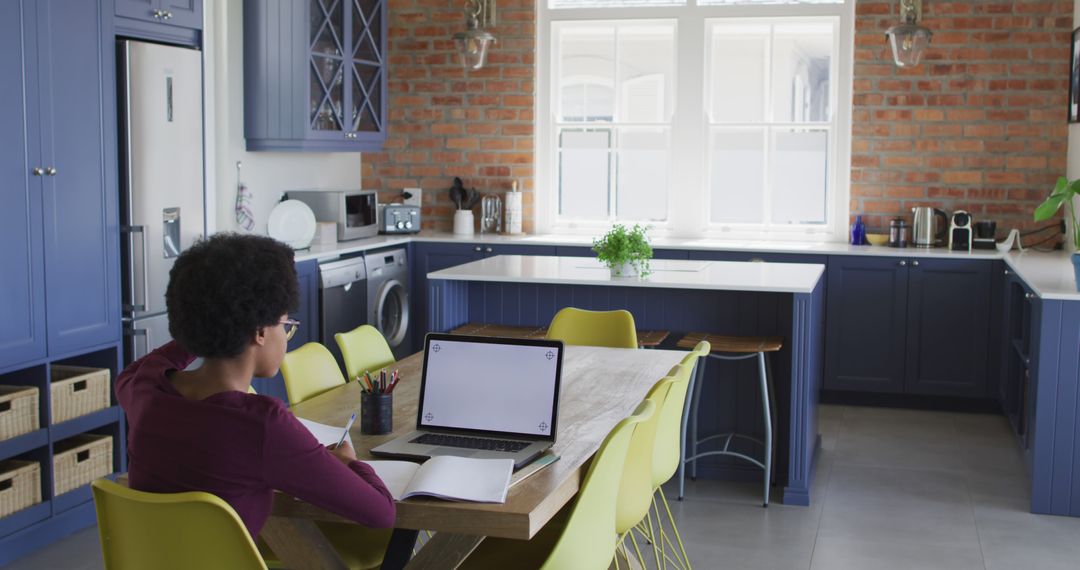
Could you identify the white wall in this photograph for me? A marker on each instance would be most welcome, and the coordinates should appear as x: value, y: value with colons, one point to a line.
x: 267, y: 174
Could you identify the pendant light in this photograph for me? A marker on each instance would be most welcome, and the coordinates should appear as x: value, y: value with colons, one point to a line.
x: 908, y: 39
x: 472, y: 44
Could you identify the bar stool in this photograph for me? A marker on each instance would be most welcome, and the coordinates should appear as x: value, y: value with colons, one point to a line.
x: 731, y: 348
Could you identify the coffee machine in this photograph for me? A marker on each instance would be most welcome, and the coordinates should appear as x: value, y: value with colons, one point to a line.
x: 985, y: 230
x: 960, y: 231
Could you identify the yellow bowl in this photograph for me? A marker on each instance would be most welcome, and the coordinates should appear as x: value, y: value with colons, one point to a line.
x: 877, y: 239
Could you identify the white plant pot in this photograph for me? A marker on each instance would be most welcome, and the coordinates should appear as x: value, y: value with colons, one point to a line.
x: 626, y: 270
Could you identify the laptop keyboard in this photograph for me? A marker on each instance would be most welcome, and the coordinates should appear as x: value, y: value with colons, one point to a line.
x: 466, y: 442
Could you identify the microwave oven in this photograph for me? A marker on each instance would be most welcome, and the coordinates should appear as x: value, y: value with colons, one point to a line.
x: 354, y: 211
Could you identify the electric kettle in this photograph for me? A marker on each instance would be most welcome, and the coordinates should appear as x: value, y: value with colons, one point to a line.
x: 927, y: 230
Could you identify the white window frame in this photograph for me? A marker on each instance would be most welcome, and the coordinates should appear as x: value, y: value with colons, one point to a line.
x: 688, y: 196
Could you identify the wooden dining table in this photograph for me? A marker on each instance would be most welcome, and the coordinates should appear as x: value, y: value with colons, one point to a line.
x: 599, y: 387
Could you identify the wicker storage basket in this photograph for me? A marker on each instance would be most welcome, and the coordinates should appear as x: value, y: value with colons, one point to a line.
x: 77, y: 391
x: 20, y: 485
x: 79, y: 460
x: 18, y: 411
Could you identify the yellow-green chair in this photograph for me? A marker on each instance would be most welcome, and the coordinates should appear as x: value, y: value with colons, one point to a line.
x: 614, y: 329
x: 251, y: 390
x: 364, y: 349
x: 636, y: 486
x: 309, y: 371
x: 167, y: 531
x: 587, y: 539
x: 668, y: 451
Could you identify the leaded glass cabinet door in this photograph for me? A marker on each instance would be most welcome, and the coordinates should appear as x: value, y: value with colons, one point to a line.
x: 367, y: 114
x: 328, y: 46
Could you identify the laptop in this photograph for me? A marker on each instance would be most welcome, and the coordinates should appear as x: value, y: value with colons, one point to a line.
x: 484, y: 397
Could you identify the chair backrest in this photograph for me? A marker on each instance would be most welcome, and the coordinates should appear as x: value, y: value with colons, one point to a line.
x: 309, y: 371
x: 588, y: 539
x: 613, y: 329
x: 364, y: 349
x: 167, y: 531
x: 666, y: 451
x: 636, y: 485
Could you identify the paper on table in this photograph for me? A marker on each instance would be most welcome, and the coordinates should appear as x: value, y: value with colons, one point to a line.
x: 395, y: 475
x: 327, y: 435
x: 448, y: 477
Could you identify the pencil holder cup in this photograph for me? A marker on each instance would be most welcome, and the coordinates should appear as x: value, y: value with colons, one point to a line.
x: 376, y: 413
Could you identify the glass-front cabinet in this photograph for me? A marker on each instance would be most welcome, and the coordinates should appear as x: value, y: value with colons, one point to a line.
x: 317, y: 87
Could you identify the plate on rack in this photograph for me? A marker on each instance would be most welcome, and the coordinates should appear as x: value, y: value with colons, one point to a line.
x: 293, y: 223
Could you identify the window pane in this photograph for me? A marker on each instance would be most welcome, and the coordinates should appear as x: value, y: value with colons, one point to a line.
x: 802, y: 56
x: 556, y: 4
x: 800, y: 176
x: 737, y: 62
x: 646, y: 73
x: 584, y: 173
x: 643, y: 167
x: 737, y: 175
x: 586, y: 64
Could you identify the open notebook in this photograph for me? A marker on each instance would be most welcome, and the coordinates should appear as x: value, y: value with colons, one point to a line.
x: 445, y: 477
x: 448, y: 477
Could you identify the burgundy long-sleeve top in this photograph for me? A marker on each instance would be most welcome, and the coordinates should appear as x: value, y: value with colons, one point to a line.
x: 237, y: 446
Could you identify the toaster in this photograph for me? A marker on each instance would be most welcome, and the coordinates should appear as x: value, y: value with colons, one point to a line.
x: 399, y: 219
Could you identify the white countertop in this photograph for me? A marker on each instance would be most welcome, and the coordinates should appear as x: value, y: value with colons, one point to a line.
x: 1050, y: 275
x: 666, y: 273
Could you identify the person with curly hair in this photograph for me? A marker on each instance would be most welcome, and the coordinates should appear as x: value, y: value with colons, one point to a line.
x: 228, y: 301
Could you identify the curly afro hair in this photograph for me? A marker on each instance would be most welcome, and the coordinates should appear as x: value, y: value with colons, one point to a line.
x: 223, y: 289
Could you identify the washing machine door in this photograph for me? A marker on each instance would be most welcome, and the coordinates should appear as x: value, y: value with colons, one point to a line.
x: 392, y: 312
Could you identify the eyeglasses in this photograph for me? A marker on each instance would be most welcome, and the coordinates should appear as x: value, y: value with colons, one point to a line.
x: 291, y: 325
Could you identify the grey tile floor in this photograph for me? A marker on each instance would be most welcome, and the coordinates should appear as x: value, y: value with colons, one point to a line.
x: 895, y: 489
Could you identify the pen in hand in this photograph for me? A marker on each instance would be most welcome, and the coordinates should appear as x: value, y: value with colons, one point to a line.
x: 347, y: 427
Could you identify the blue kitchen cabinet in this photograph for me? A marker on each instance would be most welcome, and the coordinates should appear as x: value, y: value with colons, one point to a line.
x: 433, y: 256
x: 866, y: 324
x: 73, y: 116
x: 22, y: 301
x: 948, y: 327
x: 315, y: 75
x: 307, y: 272
x: 181, y: 13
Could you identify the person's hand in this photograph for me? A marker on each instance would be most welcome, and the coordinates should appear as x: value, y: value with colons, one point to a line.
x: 344, y: 452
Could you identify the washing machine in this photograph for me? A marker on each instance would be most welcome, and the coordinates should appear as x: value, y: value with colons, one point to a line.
x: 388, y: 298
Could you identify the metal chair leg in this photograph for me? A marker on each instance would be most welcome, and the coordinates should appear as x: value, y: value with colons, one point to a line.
x: 772, y: 406
x: 767, y: 409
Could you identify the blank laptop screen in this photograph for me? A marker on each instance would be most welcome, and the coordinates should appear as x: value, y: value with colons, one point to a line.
x: 490, y: 386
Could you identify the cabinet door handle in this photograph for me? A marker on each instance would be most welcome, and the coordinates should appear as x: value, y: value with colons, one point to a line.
x: 915, y: 263
x: 156, y: 14
x: 478, y: 248
x: 1006, y: 272
x: 50, y: 171
x: 488, y: 249
x: 37, y: 171
x: 903, y: 263
x: 167, y: 15
x: 1029, y: 296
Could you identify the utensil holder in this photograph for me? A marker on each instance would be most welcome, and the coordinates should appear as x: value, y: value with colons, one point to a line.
x: 463, y: 222
x: 376, y: 413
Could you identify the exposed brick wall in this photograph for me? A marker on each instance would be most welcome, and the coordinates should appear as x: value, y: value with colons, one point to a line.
x: 446, y: 122
x: 980, y: 125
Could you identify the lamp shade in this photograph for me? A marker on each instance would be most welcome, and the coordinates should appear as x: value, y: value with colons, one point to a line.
x: 472, y: 46
x: 908, y: 41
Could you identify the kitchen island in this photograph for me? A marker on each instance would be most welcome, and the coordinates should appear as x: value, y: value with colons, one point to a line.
x: 729, y: 298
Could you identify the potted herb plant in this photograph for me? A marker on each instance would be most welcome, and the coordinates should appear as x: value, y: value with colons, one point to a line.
x: 1064, y: 193
x: 625, y: 251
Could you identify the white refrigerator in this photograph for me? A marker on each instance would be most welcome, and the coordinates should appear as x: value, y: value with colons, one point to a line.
x: 162, y: 182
